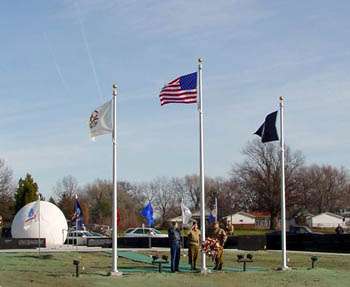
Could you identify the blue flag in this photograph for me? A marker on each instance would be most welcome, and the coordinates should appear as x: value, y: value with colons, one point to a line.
x: 211, y: 218
x: 147, y: 212
x: 78, y: 216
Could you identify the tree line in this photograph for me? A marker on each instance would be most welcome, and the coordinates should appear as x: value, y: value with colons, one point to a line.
x: 251, y: 185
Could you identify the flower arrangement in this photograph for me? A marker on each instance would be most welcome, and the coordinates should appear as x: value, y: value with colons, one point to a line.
x: 211, y: 247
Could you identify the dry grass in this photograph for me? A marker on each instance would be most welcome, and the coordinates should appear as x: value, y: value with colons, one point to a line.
x: 22, y: 269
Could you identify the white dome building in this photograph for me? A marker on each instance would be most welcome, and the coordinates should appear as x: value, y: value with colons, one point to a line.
x: 53, y: 224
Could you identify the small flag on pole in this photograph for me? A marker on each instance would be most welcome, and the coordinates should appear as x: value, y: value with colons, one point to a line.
x: 186, y: 213
x: 147, y: 212
x: 268, y: 131
x: 78, y: 215
x: 182, y: 90
x: 100, y: 122
x: 213, y: 216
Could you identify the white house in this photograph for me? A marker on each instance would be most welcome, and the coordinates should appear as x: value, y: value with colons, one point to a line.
x: 195, y: 217
x: 327, y: 219
x: 241, y: 218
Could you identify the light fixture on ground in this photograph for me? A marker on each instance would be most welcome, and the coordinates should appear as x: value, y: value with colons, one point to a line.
x: 76, y: 263
x: 247, y: 259
x: 314, y: 259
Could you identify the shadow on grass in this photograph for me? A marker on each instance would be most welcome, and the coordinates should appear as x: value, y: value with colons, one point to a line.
x: 57, y: 275
x: 43, y: 256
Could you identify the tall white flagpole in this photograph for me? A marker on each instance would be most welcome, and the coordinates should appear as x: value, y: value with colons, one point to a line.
x: 39, y: 223
x: 201, y: 163
x: 76, y: 217
x: 76, y: 221
x: 284, y: 265
x: 115, y: 271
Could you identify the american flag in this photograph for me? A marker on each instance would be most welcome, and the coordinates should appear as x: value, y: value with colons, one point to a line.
x: 182, y: 90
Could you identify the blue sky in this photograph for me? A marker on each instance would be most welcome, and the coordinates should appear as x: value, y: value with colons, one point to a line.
x: 254, y: 51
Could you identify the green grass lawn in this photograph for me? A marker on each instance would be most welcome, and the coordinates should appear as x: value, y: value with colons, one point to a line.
x: 56, y: 269
x: 239, y: 232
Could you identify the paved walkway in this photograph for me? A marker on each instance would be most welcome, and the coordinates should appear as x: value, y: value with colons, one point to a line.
x: 72, y: 248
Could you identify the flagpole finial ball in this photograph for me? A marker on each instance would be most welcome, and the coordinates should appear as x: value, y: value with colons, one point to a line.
x: 281, y: 99
x: 200, y: 60
x: 114, y: 86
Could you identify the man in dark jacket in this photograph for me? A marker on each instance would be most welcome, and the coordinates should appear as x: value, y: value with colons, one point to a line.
x: 339, y: 230
x: 174, y: 242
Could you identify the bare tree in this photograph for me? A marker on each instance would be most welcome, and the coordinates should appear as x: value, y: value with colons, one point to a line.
x: 322, y: 188
x: 181, y: 191
x: 188, y: 188
x: 65, y: 191
x: 224, y: 190
x: 227, y: 194
x: 67, y: 186
x: 165, y: 198
x: 99, y: 194
x: 7, y: 189
x: 143, y: 192
x: 193, y: 189
x: 259, y: 177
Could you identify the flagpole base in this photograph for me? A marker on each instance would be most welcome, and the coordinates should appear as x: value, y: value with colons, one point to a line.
x: 284, y: 268
x: 115, y: 273
x: 204, y: 271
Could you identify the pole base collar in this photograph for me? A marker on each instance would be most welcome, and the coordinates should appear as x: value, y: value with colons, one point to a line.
x: 285, y: 268
x: 115, y: 274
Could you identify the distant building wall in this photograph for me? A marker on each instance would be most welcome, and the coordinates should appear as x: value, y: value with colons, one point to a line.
x: 263, y: 222
x: 240, y: 219
x: 326, y: 220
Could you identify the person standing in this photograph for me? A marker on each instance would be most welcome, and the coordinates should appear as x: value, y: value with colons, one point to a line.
x: 230, y: 229
x: 221, y: 237
x: 193, y: 238
x: 339, y: 230
x: 174, y: 242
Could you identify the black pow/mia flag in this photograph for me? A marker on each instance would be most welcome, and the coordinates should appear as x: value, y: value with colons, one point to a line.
x: 268, y: 131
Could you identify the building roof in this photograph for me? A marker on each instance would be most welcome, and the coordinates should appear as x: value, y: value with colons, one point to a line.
x: 174, y: 219
x: 195, y: 214
x: 253, y: 214
x: 242, y: 213
x: 345, y: 212
x: 302, y: 212
x: 259, y: 214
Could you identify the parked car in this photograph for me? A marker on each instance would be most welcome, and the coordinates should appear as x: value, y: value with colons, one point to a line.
x: 98, y: 234
x: 296, y: 229
x: 144, y: 232
x: 79, y: 237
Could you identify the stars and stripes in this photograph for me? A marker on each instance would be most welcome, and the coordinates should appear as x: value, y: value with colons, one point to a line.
x: 182, y: 90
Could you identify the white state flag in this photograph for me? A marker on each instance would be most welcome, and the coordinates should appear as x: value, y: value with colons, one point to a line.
x: 101, y: 120
x: 186, y: 213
